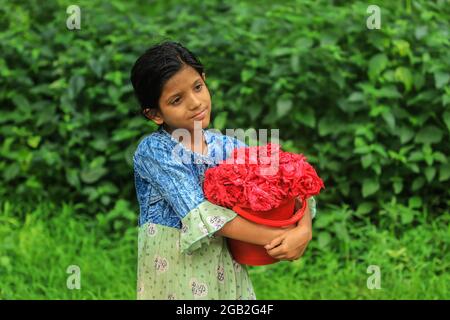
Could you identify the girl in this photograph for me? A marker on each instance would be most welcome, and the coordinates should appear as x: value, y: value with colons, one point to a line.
x: 182, y: 250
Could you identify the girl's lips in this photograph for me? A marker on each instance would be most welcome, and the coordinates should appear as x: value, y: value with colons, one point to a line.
x: 200, y: 116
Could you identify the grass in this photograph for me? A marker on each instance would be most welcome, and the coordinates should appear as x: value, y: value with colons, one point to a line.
x: 39, y: 245
x: 38, y: 248
x: 411, y: 267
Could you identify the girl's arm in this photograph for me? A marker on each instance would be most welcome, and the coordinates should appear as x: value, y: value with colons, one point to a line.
x: 247, y: 231
x: 292, y: 244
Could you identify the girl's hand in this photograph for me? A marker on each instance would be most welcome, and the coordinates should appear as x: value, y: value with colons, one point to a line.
x: 292, y: 244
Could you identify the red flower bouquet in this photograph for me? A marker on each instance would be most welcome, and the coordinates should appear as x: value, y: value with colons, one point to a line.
x: 261, y: 184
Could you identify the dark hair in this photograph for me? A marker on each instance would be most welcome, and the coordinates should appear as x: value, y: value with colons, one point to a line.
x: 155, y: 67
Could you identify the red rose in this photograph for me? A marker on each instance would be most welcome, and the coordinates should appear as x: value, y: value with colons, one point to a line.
x: 260, y: 178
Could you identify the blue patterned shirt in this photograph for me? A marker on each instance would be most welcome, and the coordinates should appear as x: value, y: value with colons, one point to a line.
x: 169, y: 176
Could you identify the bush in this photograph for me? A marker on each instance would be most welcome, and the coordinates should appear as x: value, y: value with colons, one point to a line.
x: 369, y: 108
x: 38, y: 246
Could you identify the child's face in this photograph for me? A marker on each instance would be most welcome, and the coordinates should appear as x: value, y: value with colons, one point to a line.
x: 184, y: 96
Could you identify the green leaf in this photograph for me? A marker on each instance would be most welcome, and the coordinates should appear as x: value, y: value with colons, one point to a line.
x: 444, y: 172
x: 254, y: 110
x: 376, y: 168
x: 405, y: 134
x: 404, y: 76
x: 419, y: 81
x: 34, y: 141
x: 344, y: 185
x: 306, y: 116
x: 428, y: 154
x: 414, y: 167
x: 402, y: 47
x: 377, y: 64
x: 304, y: 43
x: 21, y: 102
x: 356, y: 97
x: 417, y: 183
x: 220, y: 120
x: 387, y: 92
x: 441, y: 79
x: 33, y: 183
x: 415, y: 202
x: 283, y: 107
x: 326, y: 126
x: 72, y: 178
x: 341, y: 231
x: 295, y: 62
x: 398, y: 186
x: 323, y: 239
x: 364, y: 207
x: 420, y: 32
x: 247, y: 74
x: 94, y: 171
x: 366, y: 160
x: 416, y: 156
x: 407, y: 216
x: 115, y: 77
x: 389, y: 118
x: 76, y: 84
x: 430, y: 172
x: 281, y: 51
x: 105, y: 200
x: 440, y: 157
x: 11, y: 171
x: 99, y: 144
x: 124, y: 134
x: 370, y: 186
x: 429, y: 134
x: 328, y: 39
x: 323, y: 221
x: 96, y: 67
x: 447, y: 119
x: 92, y: 175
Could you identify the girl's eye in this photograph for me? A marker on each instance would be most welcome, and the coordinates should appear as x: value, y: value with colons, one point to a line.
x: 198, y: 88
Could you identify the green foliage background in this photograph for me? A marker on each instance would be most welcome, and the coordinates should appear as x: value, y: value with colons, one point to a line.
x: 369, y: 109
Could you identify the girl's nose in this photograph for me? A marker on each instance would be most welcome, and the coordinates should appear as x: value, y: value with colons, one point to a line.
x: 195, y: 103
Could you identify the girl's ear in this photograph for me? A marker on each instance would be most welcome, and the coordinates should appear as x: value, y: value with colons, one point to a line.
x: 153, y: 115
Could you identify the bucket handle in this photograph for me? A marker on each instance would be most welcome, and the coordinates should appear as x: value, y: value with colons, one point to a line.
x: 273, y: 223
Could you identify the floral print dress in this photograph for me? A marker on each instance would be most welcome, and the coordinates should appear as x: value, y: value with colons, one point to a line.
x: 179, y: 255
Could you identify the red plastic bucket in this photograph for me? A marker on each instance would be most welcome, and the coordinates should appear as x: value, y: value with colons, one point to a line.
x: 256, y: 255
